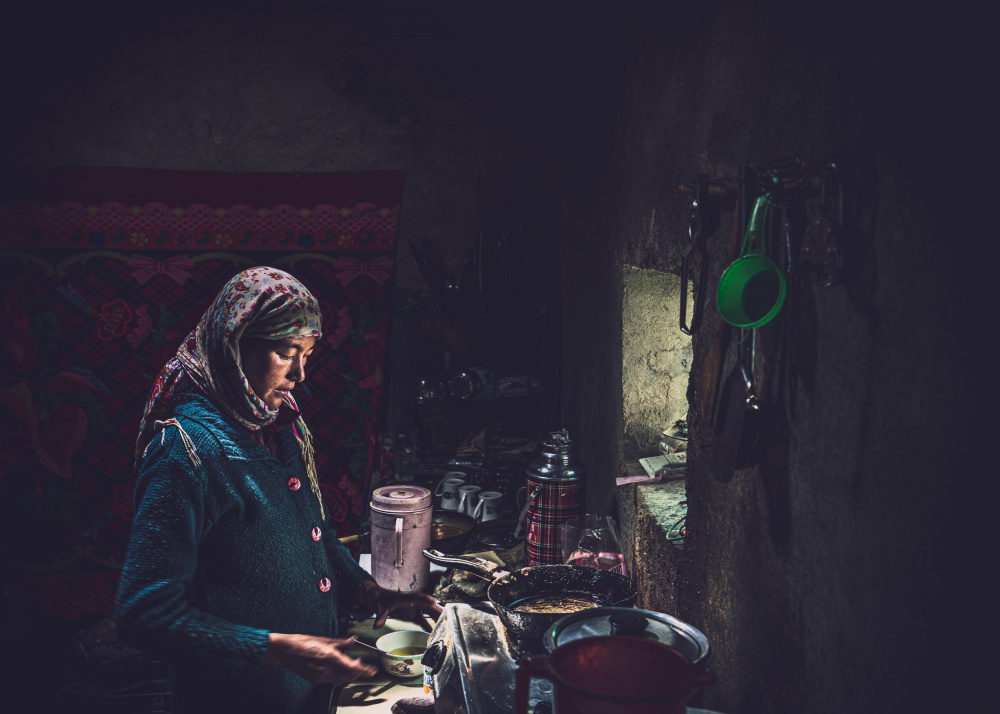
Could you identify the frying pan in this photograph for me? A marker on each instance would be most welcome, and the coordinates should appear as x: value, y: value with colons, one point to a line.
x: 510, y: 589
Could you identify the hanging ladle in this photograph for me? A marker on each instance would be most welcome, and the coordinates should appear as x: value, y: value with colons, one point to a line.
x: 752, y: 289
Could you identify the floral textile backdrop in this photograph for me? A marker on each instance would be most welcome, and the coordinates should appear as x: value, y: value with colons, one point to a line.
x: 103, y: 281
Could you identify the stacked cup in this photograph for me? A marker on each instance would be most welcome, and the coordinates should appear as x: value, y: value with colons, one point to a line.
x: 447, y: 490
x: 488, y: 508
x: 468, y: 498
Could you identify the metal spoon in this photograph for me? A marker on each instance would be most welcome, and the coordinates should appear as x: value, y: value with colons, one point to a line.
x: 365, y: 644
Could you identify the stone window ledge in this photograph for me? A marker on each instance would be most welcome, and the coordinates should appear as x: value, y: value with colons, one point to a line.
x: 646, y: 513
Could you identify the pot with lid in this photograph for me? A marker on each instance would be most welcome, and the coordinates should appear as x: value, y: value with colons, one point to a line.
x: 630, y: 622
x: 618, y: 660
x: 401, y: 530
x: 613, y: 674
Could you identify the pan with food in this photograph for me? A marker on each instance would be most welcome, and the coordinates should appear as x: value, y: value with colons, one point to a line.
x: 528, y: 601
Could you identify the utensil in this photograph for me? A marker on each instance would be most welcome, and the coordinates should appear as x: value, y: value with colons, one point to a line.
x: 752, y: 289
x: 821, y: 254
x: 510, y: 589
x: 728, y: 430
x: 711, y: 373
x: 695, y: 229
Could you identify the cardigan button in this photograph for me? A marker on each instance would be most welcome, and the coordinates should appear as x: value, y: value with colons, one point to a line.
x: 294, y: 484
x: 324, y: 584
x: 316, y: 533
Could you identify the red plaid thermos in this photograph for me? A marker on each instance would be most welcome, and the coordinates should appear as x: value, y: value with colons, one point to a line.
x: 554, y: 494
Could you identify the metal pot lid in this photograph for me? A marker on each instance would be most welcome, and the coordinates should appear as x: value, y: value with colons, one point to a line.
x: 401, y: 499
x: 657, y: 626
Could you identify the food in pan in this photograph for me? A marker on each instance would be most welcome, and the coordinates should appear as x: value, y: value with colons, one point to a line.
x: 440, y: 531
x: 557, y: 603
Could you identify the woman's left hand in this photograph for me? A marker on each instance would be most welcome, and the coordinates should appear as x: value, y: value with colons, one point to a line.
x: 412, y: 607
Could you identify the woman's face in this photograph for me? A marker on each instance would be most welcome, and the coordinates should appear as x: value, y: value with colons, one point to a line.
x: 272, y: 367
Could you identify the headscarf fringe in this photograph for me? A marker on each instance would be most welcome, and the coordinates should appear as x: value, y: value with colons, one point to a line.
x: 304, y: 437
x: 189, y: 448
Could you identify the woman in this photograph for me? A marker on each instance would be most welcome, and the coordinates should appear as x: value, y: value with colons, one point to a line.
x: 233, y: 574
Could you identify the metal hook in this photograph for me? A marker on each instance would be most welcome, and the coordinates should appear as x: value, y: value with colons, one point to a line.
x: 695, y: 229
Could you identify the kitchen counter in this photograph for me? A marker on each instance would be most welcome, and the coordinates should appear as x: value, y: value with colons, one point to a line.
x: 378, y: 694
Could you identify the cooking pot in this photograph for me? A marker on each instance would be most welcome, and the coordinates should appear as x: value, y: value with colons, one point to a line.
x: 546, y: 587
x: 614, y: 675
x: 631, y: 622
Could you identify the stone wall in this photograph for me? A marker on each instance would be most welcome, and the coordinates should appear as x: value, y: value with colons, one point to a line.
x: 292, y: 91
x: 813, y: 571
x: 656, y: 358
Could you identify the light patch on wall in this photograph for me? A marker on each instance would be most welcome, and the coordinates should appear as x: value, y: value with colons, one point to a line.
x: 656, y: 358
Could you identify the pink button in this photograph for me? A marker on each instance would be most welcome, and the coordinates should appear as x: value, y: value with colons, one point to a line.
x: 317, y: 533
x: 324, y: 584
x: 294, y: 484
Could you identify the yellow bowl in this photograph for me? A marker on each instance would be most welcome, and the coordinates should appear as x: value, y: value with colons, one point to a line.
x: 400, y: 652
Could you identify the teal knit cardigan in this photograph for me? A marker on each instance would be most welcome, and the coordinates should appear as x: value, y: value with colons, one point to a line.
x: 222, y: 553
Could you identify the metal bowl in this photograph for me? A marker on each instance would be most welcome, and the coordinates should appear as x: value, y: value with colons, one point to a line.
x: 450, y: 531
x: 490, y: 535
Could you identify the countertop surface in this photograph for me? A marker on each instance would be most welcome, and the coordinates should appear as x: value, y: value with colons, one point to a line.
x: 377, y: 695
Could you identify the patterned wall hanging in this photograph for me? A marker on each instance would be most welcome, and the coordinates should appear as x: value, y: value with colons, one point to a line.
x: 106, y: 270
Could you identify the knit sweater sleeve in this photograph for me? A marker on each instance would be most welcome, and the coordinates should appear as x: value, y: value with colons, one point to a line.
x: 153, y: 611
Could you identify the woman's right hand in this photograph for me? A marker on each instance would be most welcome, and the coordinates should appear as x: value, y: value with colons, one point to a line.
x: 321, y: 660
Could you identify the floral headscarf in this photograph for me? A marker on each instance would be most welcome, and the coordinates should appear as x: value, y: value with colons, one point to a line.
x: 260, y: 302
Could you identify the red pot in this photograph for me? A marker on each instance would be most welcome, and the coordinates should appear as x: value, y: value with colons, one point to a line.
x: 614, y: 675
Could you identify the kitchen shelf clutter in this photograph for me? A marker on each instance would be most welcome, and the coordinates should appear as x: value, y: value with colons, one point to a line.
x: 473, y: 389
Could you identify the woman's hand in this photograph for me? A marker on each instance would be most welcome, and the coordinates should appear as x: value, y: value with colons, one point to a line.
x: 412, y: 607
x: 318, y: 659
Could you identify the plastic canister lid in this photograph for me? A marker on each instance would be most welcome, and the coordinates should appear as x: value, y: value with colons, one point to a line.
x: 658, y: 626
x: 401, y: 499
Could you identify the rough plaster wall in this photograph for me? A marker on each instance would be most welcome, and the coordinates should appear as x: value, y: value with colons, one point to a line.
x: 295, y: 91
x: 814, y: 572
x: 656, y: 358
